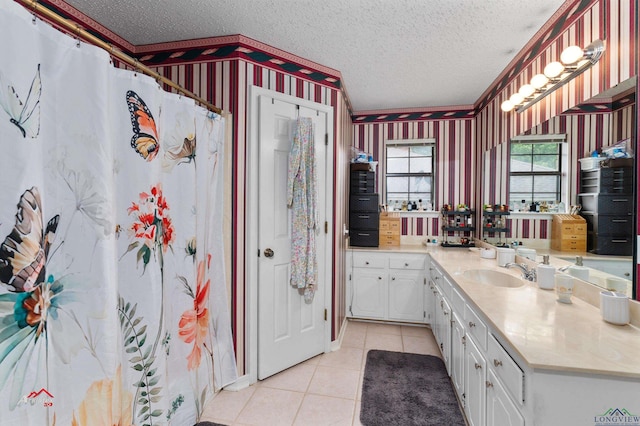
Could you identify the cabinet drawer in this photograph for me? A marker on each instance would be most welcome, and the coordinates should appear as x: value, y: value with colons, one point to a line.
x: 608, y: 224
x: 407, y: 261
x: 388, y: 238
x: 606, y: 203
x: 476, y: 327
x: 573, y: 230
x: 362, y: 188
x: 444, y: 285
x: 611, y: 244
x: 363, y: 203
x: 506, y: 369
x: 369, y: 260
x: 362, y: 175
x: 573, y: 245
x: 391, y: 225
x: 457, y: 301
x: 364, y: 220
x: 363, y: 238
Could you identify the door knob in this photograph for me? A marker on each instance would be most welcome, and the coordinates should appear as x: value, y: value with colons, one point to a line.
x: 268, y: 253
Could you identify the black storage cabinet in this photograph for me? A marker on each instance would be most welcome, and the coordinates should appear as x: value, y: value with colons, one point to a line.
x: 364, y: 217
x: 606, y: 196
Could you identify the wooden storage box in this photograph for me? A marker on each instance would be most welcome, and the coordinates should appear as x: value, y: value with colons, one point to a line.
x: 568, y: 233
x: 389, y: 229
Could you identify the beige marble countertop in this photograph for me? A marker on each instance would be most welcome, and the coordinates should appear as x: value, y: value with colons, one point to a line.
x: 546, y: 334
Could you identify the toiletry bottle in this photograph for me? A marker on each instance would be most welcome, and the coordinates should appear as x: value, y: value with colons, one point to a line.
x: 579, y: 270
x: 546, y: 274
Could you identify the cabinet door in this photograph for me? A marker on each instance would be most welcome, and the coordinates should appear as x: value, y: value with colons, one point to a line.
x: 500, y: 409
x: 369, y: 290
x: 406, y: 295
x: 437, y: 316
x: 430, y: 304
x: 444, y: 323
x: 475, y: 367
x: 457, y: 354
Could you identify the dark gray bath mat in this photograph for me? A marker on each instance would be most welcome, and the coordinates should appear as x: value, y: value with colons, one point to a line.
x: 407, y: 389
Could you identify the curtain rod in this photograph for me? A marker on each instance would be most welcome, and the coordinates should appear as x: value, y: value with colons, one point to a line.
x: 75, y: 28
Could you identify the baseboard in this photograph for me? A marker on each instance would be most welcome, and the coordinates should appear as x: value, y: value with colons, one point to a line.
x: 336, y: 344
x: 242, y: 382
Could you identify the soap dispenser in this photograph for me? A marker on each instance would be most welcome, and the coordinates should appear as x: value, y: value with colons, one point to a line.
x: 579, y: 270
x: 546, y: 274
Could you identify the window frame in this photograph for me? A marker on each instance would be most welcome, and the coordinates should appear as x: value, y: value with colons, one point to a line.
x: 562, y: 157
x: 431, y: 175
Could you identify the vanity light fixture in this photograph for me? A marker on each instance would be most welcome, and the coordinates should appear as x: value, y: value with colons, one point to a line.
x: 573, y: 61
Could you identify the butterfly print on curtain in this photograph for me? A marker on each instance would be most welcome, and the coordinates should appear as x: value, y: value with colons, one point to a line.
x: 24, y: 251
x: 25, y: 115
x: 145, y: 133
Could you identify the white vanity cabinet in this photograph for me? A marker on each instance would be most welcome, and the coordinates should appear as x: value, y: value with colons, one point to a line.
x: 386, y: 286
x: 488, y: 381
x: 528, y: 360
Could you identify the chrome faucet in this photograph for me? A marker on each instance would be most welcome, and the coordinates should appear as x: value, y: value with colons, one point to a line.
x: 527, y: 274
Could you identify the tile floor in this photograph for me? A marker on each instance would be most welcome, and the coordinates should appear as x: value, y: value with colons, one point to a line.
x: 324, y: 390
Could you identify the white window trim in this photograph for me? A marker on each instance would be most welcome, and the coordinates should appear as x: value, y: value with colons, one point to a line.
x: 398, y: 142
x: 560, y: 138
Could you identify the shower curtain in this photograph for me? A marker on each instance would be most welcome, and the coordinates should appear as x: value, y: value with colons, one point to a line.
x: 112, y: 287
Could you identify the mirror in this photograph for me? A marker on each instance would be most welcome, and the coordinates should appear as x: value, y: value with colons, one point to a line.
x: 599, y: 122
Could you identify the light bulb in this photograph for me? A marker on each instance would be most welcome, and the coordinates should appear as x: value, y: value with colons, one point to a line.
x: 506, y: 106
x: 553, y: 69
x: 526, y: 90
x: 539, y: 80
x: 571, y: 55
x: 516, y: 98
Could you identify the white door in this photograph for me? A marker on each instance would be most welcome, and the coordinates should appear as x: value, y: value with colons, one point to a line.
x: 289, y: 330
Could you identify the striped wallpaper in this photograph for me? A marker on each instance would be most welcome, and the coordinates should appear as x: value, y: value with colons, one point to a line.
x: 454, y: 160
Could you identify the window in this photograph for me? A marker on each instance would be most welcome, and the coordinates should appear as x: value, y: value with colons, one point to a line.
x: 535, y: 169
x: 409, y: 171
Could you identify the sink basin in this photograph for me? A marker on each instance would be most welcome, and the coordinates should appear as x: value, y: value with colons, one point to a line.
x: 491, y: 277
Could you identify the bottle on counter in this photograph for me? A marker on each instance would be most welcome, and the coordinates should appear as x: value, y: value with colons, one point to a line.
x: 579, y: 270
x: 546, y: 274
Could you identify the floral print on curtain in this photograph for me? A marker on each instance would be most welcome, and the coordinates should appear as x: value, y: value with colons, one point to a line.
x: 113, y: 302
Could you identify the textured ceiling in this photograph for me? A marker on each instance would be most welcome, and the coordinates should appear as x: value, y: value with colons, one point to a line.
x: 391, y: 53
